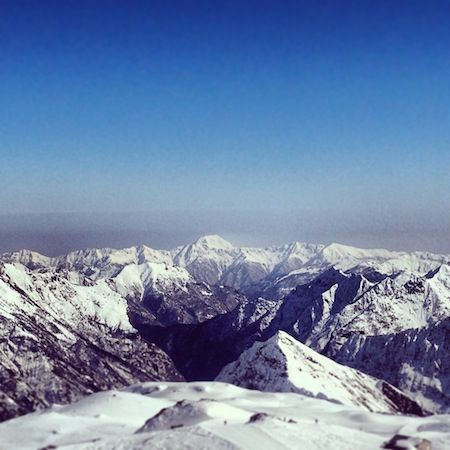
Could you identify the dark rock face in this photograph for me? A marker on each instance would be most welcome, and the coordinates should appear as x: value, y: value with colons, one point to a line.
x: 407, y: 360
x: 304, y: 307
x: 404, y: 442
x: 195, y: 303
x: 39, y: 371
x: 403, y: 403
x: 201, y: 350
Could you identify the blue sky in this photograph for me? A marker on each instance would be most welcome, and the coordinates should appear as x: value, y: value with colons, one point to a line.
x: 331, y: 112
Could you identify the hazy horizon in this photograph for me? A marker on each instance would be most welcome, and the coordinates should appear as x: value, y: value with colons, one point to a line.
x: 55, y: 234
x: 265, y: 122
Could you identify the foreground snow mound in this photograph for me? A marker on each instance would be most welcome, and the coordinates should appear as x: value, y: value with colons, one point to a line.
x: 283, y: 364
x: 213, y: 415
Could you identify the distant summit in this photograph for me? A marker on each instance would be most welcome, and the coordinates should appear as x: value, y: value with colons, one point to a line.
x: 213, y: 241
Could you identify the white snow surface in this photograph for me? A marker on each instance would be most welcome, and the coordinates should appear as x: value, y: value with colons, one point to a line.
x: 212, y: 415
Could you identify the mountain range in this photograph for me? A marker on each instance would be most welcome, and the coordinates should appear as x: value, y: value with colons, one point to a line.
x: 99, y: 319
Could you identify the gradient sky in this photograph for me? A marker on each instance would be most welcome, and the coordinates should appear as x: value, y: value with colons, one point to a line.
x: 263, y: 121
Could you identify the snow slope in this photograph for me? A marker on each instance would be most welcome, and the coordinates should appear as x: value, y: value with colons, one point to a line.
x: 283, y: 364
x: 213, y: 416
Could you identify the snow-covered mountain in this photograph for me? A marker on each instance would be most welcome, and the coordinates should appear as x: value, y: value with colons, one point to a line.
x: 210, y: 259
x: 143, y: 275
x: 212, y: 415
x: 274, y: 270
x: 57, y: 323
x: 172, y: 295
x: 282, y: 364
x: 406, y: 315
x: 60, y: 339
x: 374, y: 264
x: 94, y: 263
x: 206, y: 258
x: 337, y: 303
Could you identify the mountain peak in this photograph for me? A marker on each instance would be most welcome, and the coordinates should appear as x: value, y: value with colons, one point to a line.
x: 213, y: 241
x: 283, y: 364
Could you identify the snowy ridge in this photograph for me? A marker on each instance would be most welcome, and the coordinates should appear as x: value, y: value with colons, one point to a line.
x: 171, y: 294
x: 157, y: 276
x: 95, y: 263
x: 338, y: 303
x: 214, y: 416
x: 283, y: 364
x: 376, y: 262
x: 62, y: 299
x: 272, y: 271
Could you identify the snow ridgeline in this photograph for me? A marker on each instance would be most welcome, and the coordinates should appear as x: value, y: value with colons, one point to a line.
x: 214, y: 415
x: 213, y: 260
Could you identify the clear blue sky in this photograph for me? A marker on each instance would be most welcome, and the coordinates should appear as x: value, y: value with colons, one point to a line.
x: 312, y: 112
